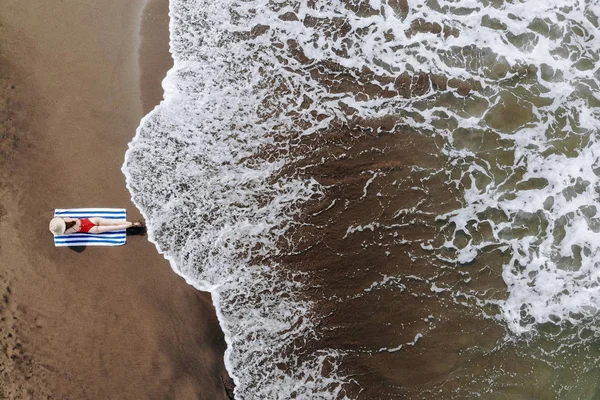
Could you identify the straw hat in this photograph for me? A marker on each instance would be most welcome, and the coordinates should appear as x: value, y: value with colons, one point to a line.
x: 57, y: 226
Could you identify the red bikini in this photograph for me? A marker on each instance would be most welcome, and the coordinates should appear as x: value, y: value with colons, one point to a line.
x: 86, y: 225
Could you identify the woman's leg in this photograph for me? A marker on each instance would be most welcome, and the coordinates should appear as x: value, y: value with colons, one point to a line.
x: 109, y: 222
x: 109, y: 228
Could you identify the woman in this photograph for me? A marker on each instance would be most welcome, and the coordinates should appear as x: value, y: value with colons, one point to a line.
x: 66, y: 226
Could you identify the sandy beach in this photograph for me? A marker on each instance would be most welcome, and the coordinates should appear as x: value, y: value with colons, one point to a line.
x: 75, y: 79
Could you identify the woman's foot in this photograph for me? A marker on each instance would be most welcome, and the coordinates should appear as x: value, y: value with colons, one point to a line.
x: 137, y: 228
x: 138, y: 224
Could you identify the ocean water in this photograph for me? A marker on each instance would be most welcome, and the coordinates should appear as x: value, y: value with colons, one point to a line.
x: 386, y: 198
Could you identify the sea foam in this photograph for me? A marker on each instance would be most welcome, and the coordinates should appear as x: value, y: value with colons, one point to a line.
x: 212, y: 204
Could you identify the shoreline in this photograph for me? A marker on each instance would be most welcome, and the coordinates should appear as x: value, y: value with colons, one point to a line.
x: 151, y: 97
x: 104, y: 322
x: 153, y: 61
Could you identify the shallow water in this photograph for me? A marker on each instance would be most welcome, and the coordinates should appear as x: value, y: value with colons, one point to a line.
x: 387, y: 199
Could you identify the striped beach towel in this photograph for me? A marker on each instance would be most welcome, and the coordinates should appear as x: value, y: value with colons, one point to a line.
x: 115, y: 238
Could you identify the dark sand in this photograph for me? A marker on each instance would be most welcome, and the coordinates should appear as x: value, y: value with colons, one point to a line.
x: 102, y: 323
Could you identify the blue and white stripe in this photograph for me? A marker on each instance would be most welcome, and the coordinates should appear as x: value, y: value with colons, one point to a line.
x: 115, y: 238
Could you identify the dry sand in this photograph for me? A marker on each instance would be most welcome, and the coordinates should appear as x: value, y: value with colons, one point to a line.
x: 102, y: 323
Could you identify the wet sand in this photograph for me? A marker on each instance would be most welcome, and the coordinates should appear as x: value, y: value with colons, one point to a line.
x: 97, y: 322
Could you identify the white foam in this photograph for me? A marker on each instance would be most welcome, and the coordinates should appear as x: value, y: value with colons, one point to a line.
x: 548, y: 282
